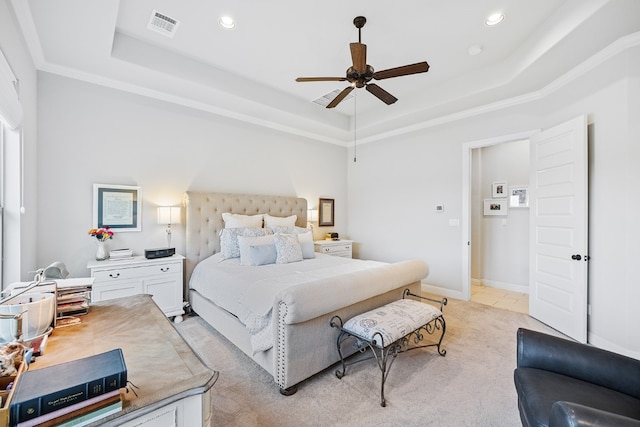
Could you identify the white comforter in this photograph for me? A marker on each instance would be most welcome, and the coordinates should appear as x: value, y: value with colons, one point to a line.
x: 249, y: 292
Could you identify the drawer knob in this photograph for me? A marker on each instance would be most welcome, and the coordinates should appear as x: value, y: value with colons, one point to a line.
x: 114, y: 276
x: 164, y: 269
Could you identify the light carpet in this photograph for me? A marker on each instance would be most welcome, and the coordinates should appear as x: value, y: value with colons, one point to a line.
x: 471, y: 386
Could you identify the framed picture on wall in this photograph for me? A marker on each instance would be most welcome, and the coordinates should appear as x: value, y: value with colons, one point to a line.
x: 494, y: 207
x: 519, y: 196
x: 499, y: 190
x: 117, y: 206
x: 325, y: 212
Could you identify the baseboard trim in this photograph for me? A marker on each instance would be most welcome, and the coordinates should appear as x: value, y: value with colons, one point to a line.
x: 524, y: 289
x: 449, y: 293
x: 604, y: 344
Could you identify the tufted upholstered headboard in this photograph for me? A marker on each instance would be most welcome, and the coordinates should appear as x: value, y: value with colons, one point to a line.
x: 204, y: 218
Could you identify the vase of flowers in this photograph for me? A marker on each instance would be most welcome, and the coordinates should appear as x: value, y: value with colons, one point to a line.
x: 102, y: 235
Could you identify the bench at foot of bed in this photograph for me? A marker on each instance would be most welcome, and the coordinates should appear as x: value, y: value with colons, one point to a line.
x: 388, y: 331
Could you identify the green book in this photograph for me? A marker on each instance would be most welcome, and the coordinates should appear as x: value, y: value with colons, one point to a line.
x: 48, y: 389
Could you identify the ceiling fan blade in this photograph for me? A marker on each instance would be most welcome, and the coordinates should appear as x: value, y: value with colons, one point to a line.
x: 340, y: 97
x: 321, y: 79
x: 382, y: 94
x: 359, y: 56
x: 420, y: 67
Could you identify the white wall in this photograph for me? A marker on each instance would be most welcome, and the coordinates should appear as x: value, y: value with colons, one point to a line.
x: 90, y: 134
x: 20, y: 229
x: 500, y: 244
x: 395, y: 184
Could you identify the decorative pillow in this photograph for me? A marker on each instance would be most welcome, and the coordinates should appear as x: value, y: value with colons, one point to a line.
x: 262, y: 254
x: 306, y: 244
x: 287, y: 248
x: 288, y: 229
x: 272, y: 221
x: 229, y: 247
x: 252, y: 245
x: 238, y: 220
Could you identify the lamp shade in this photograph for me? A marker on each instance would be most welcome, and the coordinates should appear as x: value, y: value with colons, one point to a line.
x: 312, y: 215
x: 168, y: 215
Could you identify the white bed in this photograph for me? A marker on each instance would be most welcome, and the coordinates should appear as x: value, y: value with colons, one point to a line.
x: 286, y: 306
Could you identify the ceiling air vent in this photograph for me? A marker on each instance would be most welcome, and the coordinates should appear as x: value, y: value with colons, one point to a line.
x: 325, y: 99
x: 163, y: 24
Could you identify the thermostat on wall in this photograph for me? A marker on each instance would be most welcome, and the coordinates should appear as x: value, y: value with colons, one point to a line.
x: 439, y: 208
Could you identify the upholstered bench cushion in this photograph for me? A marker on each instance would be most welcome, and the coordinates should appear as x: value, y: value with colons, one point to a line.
x: 392, y: 321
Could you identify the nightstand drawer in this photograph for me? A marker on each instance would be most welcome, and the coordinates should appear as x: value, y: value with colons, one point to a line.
x: 332, y: 250
x: 339, y: 248
x: 136, y: 272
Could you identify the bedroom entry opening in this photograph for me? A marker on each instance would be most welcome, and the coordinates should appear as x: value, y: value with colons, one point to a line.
x: 487, y: 263
x: 499, y: 250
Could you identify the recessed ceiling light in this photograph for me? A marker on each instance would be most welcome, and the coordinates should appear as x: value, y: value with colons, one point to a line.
x: 227, y: 22
x: 475, y: 49
x: 494, y: 19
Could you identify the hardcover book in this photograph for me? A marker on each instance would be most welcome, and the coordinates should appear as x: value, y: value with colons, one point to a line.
x: 90, y: 408
x: 40, y: 391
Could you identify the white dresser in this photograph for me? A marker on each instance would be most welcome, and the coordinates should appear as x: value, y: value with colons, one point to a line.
x: 162, y: 278
x: 343, y: 248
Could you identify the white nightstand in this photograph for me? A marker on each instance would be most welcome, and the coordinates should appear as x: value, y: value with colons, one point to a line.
x: 343, y: 248
x: 160, y: 277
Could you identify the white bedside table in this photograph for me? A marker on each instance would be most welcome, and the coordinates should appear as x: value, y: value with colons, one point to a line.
x: 160, y: 277
x: 342, y: 248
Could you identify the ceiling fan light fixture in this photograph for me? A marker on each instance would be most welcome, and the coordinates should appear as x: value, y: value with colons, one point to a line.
x: 494, y: 19
x: 227, y: 22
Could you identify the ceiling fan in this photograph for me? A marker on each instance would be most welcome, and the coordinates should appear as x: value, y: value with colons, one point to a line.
x: 361, y: 73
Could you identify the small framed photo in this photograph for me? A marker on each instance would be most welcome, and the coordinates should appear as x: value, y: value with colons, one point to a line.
x: 325, y: 212
x: 117, y: 206
x: 499, y: 190
x: 519, y: 196
x: 493, y: 207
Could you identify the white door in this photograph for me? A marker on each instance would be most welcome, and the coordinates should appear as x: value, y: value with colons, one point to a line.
x: 558, y: 239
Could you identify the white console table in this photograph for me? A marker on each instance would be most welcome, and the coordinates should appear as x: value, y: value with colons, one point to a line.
x: 161, y: 277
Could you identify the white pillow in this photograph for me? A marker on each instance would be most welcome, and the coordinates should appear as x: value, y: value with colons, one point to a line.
x: 272, y: 221
x: 287, y: 248
x: 229, y: 247
x: 239, y: 220
x: 251, y: 254
x: 306, y: 244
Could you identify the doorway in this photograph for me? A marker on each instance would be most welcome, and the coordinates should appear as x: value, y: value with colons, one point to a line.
x: 500, y: 238
x: 473, y: 203
x: 558, y: 196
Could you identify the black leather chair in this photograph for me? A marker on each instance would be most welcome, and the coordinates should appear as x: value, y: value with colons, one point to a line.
x: 565, y: 383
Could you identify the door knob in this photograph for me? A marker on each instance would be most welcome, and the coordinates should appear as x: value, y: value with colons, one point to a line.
x: 576, y: 257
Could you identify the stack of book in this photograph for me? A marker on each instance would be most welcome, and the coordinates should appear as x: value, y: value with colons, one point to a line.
x: 74, y: 393
x: 117, y: 254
